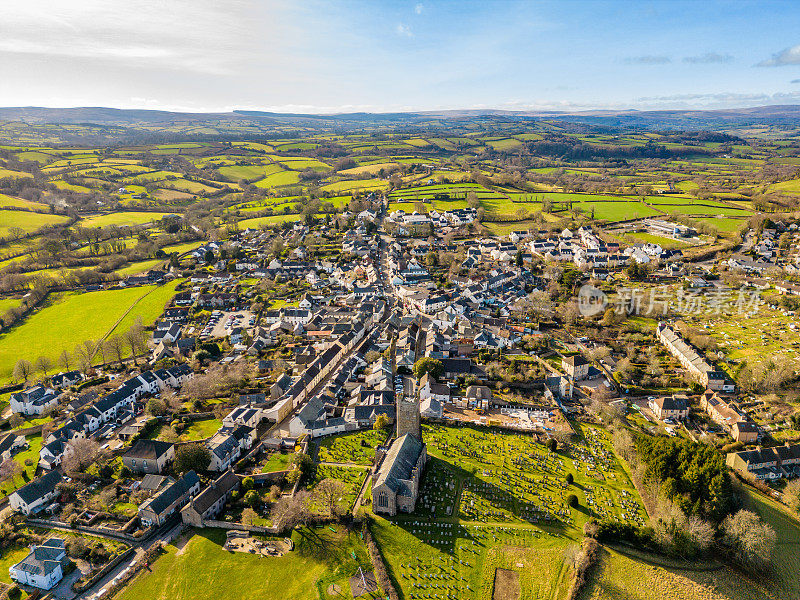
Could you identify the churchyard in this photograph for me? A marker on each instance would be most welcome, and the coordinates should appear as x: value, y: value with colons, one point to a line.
x: 492, y: 499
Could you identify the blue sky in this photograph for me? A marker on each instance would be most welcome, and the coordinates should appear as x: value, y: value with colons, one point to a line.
x: 387, y: 56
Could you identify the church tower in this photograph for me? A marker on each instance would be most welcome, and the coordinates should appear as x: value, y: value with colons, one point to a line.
x: 408, y: 419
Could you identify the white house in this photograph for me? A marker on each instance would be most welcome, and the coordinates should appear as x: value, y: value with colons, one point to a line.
x: 42, y: 568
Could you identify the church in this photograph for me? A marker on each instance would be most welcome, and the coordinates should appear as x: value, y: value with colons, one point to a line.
x: 395, y: 485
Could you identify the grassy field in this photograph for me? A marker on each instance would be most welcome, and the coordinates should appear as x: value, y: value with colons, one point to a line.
x: 27, y: 221
x: 122, y: 218
x: 278, y: 461
x: 69, y: 319
x: 267, y: 221
x: 138, y: 267
x: 13, y: 202
x: 200, y: 569
x: 8, y: 559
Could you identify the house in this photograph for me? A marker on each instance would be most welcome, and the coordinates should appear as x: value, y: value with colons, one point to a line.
x: 11, y: 444
x: 64, y: 380
x: 396, y: 484
x: 31, y: 498
x: 670, y: 407
x: 225, y: 450
x: 576, y: 366
x: 43, y: 567
x: 210, y: 502
x: 745, y: 432
x: 767, y: 463
x: 244, y: 415
x: 34, y: 400
x: 431, y: 408
x: 479, y: 396
x: 157, y: 509
x: 430, y: 388
x: 149, y: 456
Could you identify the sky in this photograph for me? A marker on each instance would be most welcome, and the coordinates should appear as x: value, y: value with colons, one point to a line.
x: 386, y: 56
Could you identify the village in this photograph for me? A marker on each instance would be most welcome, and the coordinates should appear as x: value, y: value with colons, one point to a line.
x: 441, y: 382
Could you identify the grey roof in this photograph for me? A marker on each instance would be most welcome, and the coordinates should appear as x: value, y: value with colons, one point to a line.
x: 43, y: 559
x: 148, y: 449
x: 399, y: 462
x: 217, y: 489
x: 159, y: 503
x: 39, y: 487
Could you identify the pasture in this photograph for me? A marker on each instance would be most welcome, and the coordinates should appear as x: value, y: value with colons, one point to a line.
x: 122, y: 218
x: 70, y: 318
x: 27, y: 221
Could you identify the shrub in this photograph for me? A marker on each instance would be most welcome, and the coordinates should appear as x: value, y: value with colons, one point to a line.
x: 569, y: 479
x: 572, y: 500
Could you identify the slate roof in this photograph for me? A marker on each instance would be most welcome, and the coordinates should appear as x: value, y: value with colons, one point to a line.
x: 39, y: 487
x: 399, y: 462
x: 148, y: 449
x: 217, y: 489
x: 159, y: 503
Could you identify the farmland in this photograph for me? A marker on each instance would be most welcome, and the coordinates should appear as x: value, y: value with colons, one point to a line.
x: 52, y: 329
x: 122, y: 218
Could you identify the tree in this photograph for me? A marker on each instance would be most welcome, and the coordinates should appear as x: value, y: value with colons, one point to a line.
x: 749, y: 539
x: 79, y: 454
x: 156, y: 407
x: 252, y: 498
x: 330, y: 492
x: 116, y: 348
x: 43, y: 364
x: 191, y: 457
x: 428, y: 365
x: 572, y: 500
x: 247, y: 484
x: 23, y: 369
x: 249, y: 516
x: 9, y: 469
x: 372, y: 356
x: 381, y: 422
x: 552, y: 445
x: 16, y: 421
x: 792, y: 494
x: 289, y: 512
x: 569, y: 478
x: 65, y: 359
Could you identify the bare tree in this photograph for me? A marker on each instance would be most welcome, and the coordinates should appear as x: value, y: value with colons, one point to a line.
x: 289, y: 512
x: 43, y: 365
x: 9, y: 469
x: 249, y: 516
x: 330, y: 492
x: 116, y: 348
x: 750, y: 539
x: 65, y: 359
x: 83, y: 357
x: 23, y: 370
x: 79, y: 454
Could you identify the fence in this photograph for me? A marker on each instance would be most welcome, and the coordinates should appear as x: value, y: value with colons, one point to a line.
x: 99, y: 531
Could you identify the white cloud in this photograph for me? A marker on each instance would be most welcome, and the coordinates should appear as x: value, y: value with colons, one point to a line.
x: 419, y: 8
x: 708, y: 58
x: 788, y: 56
x: 404, y: 30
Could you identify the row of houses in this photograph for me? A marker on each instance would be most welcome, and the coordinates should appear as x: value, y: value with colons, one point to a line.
x: 695, y: 365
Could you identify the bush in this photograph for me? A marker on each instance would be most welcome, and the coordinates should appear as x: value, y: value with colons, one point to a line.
x: 552, y: 445
x: 569, y: 479
x: 572, y: 500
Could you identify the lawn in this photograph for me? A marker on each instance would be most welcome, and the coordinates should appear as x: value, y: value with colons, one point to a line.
x: 27, y: 221
x: 122, y: 218
x: 357, y: 448
x: 32, y: 454
x: 9, y: 558
x: 69, y: 319
x: 203, y: 570
x: 277, y: 461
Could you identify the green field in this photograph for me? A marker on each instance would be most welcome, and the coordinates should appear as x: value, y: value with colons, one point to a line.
x: 122, y: 218
x: 69, y: 319
x: 27, y: 221
x: 267, y: 221
x: 200, y: 569
x: 32, y: 454
x: 139, y: 267
x: 13, y: 202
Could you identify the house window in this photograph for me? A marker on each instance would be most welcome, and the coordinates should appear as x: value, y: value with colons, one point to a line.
x: 144, y: 464
x: 133, y: 463
x: 383, y: 500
